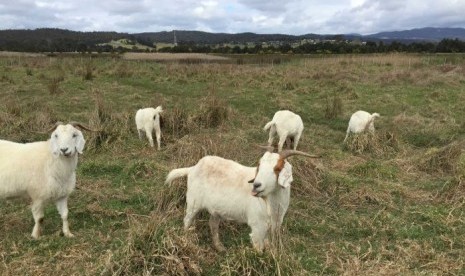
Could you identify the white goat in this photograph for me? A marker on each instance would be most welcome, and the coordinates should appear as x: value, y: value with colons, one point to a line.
x: 361, y: 121
x: 287, y: 125
x: 44, y: 171
x: 223, y: 188
x: 148, y: 119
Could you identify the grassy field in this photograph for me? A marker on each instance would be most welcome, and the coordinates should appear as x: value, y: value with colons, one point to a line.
x: 387, y: 204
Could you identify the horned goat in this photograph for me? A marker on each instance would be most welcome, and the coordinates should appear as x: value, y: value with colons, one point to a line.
x: 287, y: 125
x: 45, y: 171
x: 258, y: 196
x: 361, y: 121
x: 148, y: 119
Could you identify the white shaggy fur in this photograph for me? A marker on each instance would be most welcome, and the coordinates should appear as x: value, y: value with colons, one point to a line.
x: 361, y: 121
x: 287, y: 125
x: 43, y: 171
x: 224, y: 188
x: 148, y: 119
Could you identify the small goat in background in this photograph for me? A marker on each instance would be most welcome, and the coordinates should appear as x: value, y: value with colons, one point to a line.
x: 148, y: 119
x: 287, y: 125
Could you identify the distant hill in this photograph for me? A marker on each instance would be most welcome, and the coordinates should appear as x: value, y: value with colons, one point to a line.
x: 423, y: 34
x: 59, y: 40
x: 49, y: 38
x: 217, y: 38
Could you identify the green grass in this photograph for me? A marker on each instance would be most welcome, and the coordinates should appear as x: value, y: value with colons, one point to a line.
x: 395, y: 208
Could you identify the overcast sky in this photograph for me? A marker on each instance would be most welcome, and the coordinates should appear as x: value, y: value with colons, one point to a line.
x: 259, y: 16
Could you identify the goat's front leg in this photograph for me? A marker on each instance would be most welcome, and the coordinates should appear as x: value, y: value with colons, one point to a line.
x: 258, y: 236
x: 37, y: 209
x: 62, y: 207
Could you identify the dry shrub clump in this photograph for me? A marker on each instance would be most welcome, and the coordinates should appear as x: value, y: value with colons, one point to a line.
x: 23, y: 122
x: 176, y: 123
x: 448, y: 160
x: 155, y: 247
x: 445, y: 160
x: 246, y: 261
x: 88, y: 71
x: 53, y: 84
x: 333, y: 108
x: 110, y: 127
x: 311, y: 174
x: 213, y: 111
x: 378, y: 143
x: 423, y: 132
x: 173, y: 196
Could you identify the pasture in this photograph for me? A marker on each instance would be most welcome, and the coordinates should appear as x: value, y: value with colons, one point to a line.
x: 390, y: 204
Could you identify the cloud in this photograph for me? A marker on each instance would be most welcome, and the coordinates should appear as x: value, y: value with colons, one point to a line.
x: 261, y: 16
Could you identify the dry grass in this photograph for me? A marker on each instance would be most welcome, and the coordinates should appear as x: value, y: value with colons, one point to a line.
x: 384, y: 204
x: 172, y: 56
x: 445, y: 160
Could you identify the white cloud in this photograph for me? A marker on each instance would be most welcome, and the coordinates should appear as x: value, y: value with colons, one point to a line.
x: 261, y: 16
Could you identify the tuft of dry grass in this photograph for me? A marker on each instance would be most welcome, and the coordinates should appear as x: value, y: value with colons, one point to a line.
x: 213, y: 111
x: 110, y: 126
x: 53, y: 84
x: 155, y: 247
x: 176, y: 123
x: 88, y: 71
x: 449, y: 159
x: 334, y: 108
x: 360, y: 143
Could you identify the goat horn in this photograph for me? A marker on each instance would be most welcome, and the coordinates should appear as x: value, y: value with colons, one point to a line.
x: 77, y: 124
x: 286, y: 153
x: 268, y: 148
x: 53, y: 127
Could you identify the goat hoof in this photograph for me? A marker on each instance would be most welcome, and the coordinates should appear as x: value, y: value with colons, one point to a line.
x: 220, y: 247
x: 69, y: 235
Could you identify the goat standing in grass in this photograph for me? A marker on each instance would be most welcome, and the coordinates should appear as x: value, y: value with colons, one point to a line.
x: 361, y: 121
x: 44, y: 171
x: 258, y: 196
x: 288, y: 126
x: 147, y: 120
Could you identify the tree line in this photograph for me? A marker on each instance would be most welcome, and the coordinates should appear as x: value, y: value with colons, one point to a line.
x: 62, y: 41
x: 328, y: 47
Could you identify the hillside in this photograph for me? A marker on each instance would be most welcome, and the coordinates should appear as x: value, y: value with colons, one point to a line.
x: 423, y: 34
x: 59, y: 40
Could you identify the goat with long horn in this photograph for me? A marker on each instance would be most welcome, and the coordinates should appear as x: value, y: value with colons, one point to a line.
x: 258, y: 196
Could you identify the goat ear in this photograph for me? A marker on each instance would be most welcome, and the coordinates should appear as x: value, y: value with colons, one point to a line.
x: 80, y: 143
x: 54, y: 146
x: 285, y: 175
x: 251, y: 181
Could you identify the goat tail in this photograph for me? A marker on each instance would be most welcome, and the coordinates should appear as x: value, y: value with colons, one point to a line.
x: 177, y: 173
x: 347, y: 135
x: 268, y: 125
x: 159, y: 109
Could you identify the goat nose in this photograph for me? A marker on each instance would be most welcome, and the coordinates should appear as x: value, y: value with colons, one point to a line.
x: 257, y: 185
x: 64, y: 150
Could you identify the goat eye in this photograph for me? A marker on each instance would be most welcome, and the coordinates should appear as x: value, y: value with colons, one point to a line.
x: 74, y: 135
x: 56, y: 135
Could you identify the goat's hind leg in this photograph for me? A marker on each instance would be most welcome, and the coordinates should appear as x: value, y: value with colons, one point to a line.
x: 191, y: 212
x: 141, y: 133
x: 214, y: 228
